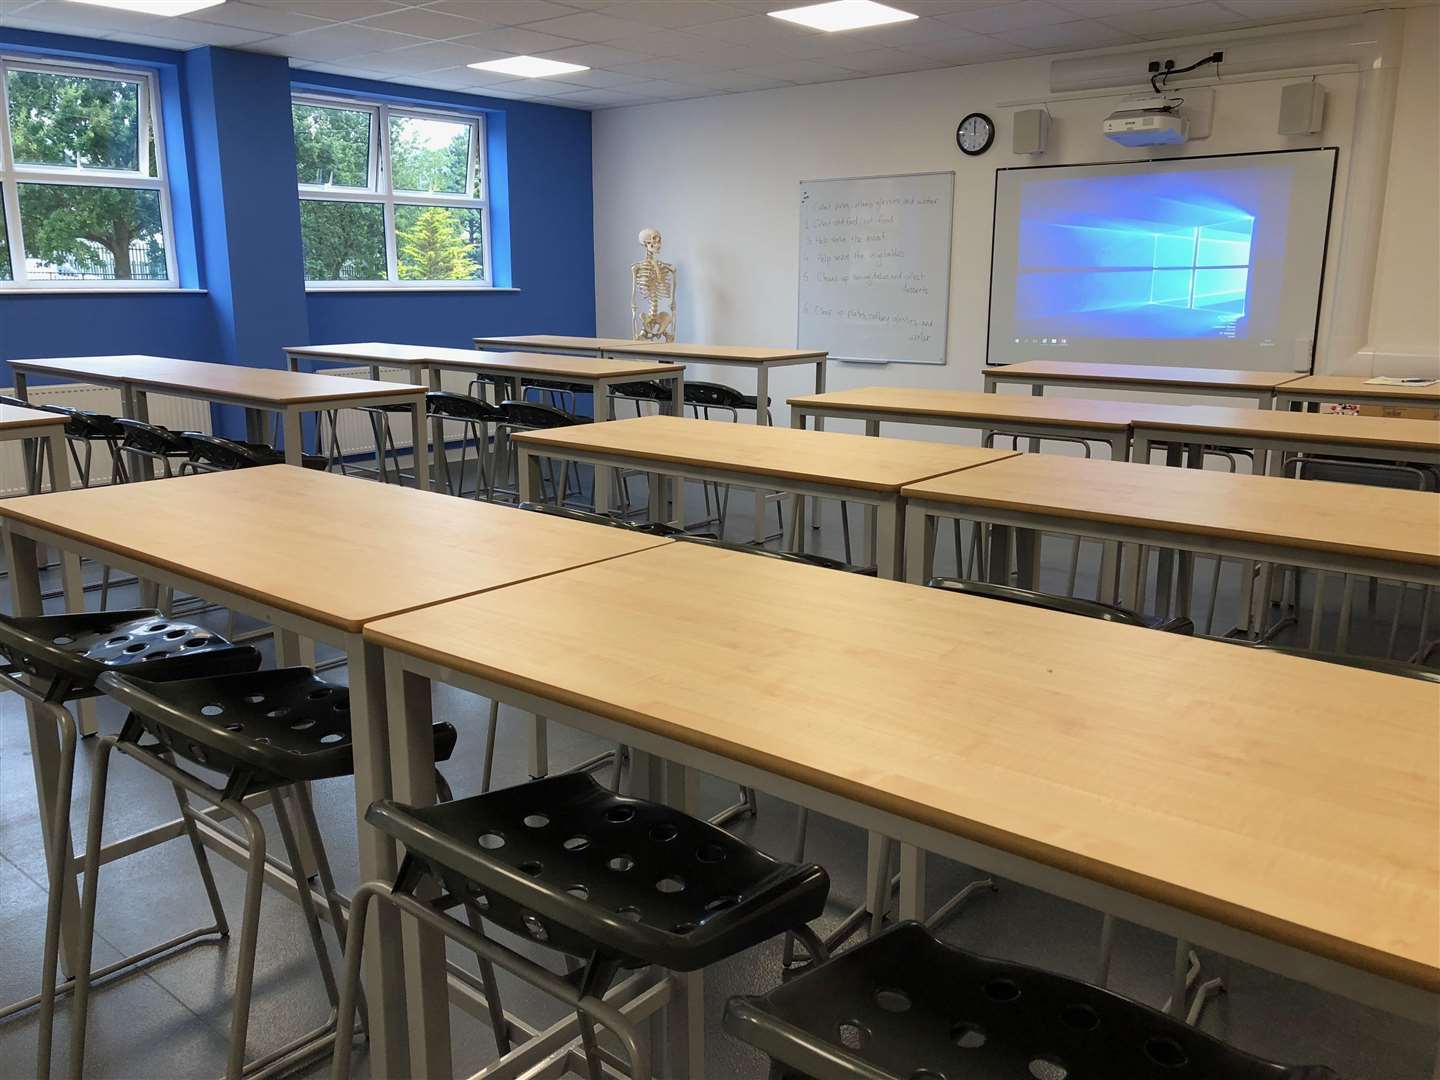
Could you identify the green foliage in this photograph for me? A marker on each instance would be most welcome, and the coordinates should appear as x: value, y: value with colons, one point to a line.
x: 4, y: 247
x: 343, y: 241
x: 431, y: 244
x: 74, y: 121
x: 57, y: 220
x: 332, y: 146
x: 419, y: 162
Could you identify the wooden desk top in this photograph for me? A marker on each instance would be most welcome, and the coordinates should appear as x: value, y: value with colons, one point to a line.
x: 724, y: 354
x: 1296, y: 799
x: 219, y: 381
x: 1339, y: 518
x: 1355, y: 386
x: 718, y: 354
x: 1380, y: 431
x: 365, y: 352
x: 13, y: 417
x: 1145, y: 374
x: 785, y: 453
x: 900, y: 402
x: 556, y: 341
x: 339, y: 550
x: 565, y: 367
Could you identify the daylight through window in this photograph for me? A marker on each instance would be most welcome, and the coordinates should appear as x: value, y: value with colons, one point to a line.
x: 390, y: 195
x: 83, y: 197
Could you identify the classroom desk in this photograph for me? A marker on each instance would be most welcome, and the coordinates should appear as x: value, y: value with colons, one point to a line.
x: 1338, y: 528
x: 761, y: 360
x: 1275, y: 809
x: 1279, y: 431
x: 1068, y: 418
x: 1353, y: 388
x: 1258, y: 386
x: 819, y: 464
x: 256, y: 390
x: 601, y: 374
x: 316, y: 555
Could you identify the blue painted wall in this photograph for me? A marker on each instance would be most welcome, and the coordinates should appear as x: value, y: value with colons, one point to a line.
x: 236, y: 209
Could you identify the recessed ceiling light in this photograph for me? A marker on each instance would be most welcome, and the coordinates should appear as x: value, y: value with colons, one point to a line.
x: 843, y: 15
x: 529, y: 67
x: 155, y: 7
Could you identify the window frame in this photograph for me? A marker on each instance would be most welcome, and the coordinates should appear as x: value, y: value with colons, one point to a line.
x: 150, y: 124
x: 381, y: 189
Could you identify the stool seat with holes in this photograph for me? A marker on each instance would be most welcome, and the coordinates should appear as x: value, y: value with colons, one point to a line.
x: 266, y: 731
x: 73, y: 651
x: 617, y: 882
x: 269, y: 727
x: 906, y: 1006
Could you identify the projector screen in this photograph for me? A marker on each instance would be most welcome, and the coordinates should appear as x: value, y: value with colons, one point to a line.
x: 1196, y: 262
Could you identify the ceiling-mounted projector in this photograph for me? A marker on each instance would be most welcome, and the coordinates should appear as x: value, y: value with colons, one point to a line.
x: 1147, y: 120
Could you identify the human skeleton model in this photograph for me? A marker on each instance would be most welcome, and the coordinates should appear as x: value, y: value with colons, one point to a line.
x: 652, y: 293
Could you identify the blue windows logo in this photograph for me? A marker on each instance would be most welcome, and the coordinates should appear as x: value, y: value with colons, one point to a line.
x: 1107, y: 258
x: 1207, y: 266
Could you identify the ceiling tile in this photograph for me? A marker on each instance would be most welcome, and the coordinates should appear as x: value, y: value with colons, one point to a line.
x: 662, y: 88
x: 250, y: 17
x: 971, y: 49
x: 660, y: 69
x: 798, y: 71
x: 202, y: 33
x: 754, y: 29
x: 504, y: 12
x: 610, y: 98
x: 594, y: 56
x: 885, y: 61
x: 84, y: 19
x: 596, y: 79
x: 432, y: 56
x: 150, y: 41
x: 516, y: 39
x: 589, y: 26
x: 1188, y: 18
x: 1017, y: 16
x: 335, y: 42
x: 659, y: 42
x: 422, y: 22
x: 730, y: 81
x: 1070, y: 36
x: 1099, y: 9
x: 1269, y: 10
x: 334, y: 10
x: 673, y: 14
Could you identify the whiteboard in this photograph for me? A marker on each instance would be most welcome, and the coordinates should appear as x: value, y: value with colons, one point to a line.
x: 875, y: 267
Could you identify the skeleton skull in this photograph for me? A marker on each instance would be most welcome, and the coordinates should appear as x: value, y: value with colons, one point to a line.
x: 650, y: 240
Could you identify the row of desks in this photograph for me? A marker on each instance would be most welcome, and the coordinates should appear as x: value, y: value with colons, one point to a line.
x: 1263, y: 806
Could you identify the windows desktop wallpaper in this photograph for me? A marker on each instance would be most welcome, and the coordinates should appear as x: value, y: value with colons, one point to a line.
x: 1175, y: 255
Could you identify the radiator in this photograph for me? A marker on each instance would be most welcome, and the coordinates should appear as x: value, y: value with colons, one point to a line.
x: 179, y: 414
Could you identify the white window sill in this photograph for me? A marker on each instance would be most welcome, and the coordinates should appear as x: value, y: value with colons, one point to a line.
x: 102, y: 291
x: 371, y: 286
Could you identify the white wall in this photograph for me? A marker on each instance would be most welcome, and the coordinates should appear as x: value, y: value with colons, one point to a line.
x: 719, y: 176
x: 1405, y: 314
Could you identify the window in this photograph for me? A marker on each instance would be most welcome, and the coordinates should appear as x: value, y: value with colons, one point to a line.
x: 83, y: 197
x: 390, y: 195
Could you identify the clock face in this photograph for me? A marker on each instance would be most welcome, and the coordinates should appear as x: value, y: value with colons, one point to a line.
x: 975, y: 134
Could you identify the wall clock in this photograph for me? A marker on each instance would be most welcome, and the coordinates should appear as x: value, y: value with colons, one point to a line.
x: 975, y: 134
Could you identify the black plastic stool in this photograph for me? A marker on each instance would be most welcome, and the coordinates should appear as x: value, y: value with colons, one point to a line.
x: 267, y: 732
x: 152, y: 443
x: 50, y: 660
x: 215, y: 453
x: 905, y: 1006
x: 476, y: 416
x: 532, y: 416
x: 619, y: 883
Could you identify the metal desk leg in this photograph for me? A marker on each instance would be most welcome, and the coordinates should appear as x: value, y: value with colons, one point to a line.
x: 762, y: 394
x: 677, y: 483
x: 912, y: 882
x: 136, y: 405
x: 603, y: 409
x: 71, y: 580
x: 412, y: 756
x: 25, y: 601
x: 685, y: 1012
x: 438, y: 457
x: 527, y: 473
x: 872, y: 430
x: 819, y: 426
x: 889, y: 538
x: 420, y: 444
x: 919, y: 545
x: 384, y: 959
x: 294, y: 437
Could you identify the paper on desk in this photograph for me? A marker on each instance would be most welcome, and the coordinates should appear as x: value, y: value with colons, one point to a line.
x: 1390, y: 380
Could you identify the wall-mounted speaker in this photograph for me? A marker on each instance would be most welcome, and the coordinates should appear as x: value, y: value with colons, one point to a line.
x: 1302, y: 108
x: 1031, y: 131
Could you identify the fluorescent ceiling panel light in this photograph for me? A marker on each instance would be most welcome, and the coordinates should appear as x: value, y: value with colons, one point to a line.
x: 529, y: 67
x: 843, y: 15
x: 154, y: 7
